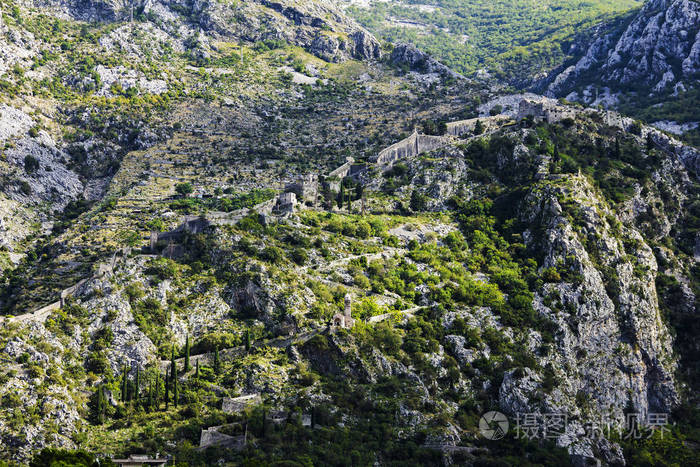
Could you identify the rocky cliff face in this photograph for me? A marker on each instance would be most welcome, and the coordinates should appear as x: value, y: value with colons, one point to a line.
x: 659, y: 50
x: 314, y: 25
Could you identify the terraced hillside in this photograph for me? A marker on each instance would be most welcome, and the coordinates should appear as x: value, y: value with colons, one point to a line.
x: 216, y: 297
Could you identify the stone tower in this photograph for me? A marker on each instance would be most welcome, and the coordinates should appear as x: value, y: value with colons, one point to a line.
x: 348, y: 307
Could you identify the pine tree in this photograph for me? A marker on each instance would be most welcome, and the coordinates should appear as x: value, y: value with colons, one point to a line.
x: 478, y: 127
x: 217, y: 363
x: 247, y: 340
x: 187, y: 354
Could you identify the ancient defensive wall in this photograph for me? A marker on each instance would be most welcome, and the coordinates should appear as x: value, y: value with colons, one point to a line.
x: 462, y: 127
x: 409, y: 147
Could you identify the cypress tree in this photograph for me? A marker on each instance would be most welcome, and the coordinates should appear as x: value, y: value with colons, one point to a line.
x: 175, y: 394
x: 138, y: 383
x: 156, y: 390
x: 101, y: 404
x: 247, y: 340
x: 167, y: 388
x: 187, y: 354
x: 264, y: 423
x: 196, y: 373
x: 124, y: 383
x: 217, y: 363
x: 172, y: 361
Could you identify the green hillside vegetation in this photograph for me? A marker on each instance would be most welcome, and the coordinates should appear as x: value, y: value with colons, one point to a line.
x: 514, y: 39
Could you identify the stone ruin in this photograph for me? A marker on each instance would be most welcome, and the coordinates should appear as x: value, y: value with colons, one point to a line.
x: 547, y: 110
x: 286, y: 202
x: 344, y: 320
x: 305, y: 188
x: 213, y: 437
x: 171, y: 239
x: 238, y: 404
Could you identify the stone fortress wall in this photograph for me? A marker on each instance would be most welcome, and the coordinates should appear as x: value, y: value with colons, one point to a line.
x: 462, y: 127
x: 409, y: 147
x: 102, y: 269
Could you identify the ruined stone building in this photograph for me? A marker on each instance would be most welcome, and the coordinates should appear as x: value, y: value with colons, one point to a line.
x: 547, y: 110
x: 305, y: 188
x: 345, y: 320
x: 286, y: 202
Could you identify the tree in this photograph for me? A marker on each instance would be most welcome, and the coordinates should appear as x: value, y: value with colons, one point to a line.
x: 184, y: 189
x: 478, y: 127
x: 217, y: 363
x: 264, y: 423
x: 187, y: 354
x: 101, y: 405
x: 196, y: 371
x: 247, y: 340
x: 31, y: 164
x: 124, y: 383
x: 172, y: 361
x: 155, y: 225
x: 167, y: 388
x: 359, y: 191
x: 418, y: 201
x: 51, y: 457
x: 137, y: 384
x: 341, y: 195
x: 650, y: 142
x: 175, y: 392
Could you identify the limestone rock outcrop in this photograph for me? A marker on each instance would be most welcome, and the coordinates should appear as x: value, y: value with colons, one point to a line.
x: 417, y: 60
x: 659, y: 49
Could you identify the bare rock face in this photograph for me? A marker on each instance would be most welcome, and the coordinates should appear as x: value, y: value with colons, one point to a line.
x: 611, y: 347
x: 417, y: 60
x: 314, y: 25
x: 660, y: 48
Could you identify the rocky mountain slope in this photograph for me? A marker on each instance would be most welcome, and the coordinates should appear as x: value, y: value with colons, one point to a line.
x: 653, y: 58
x: 149, y: 281
x: 659, y: 49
